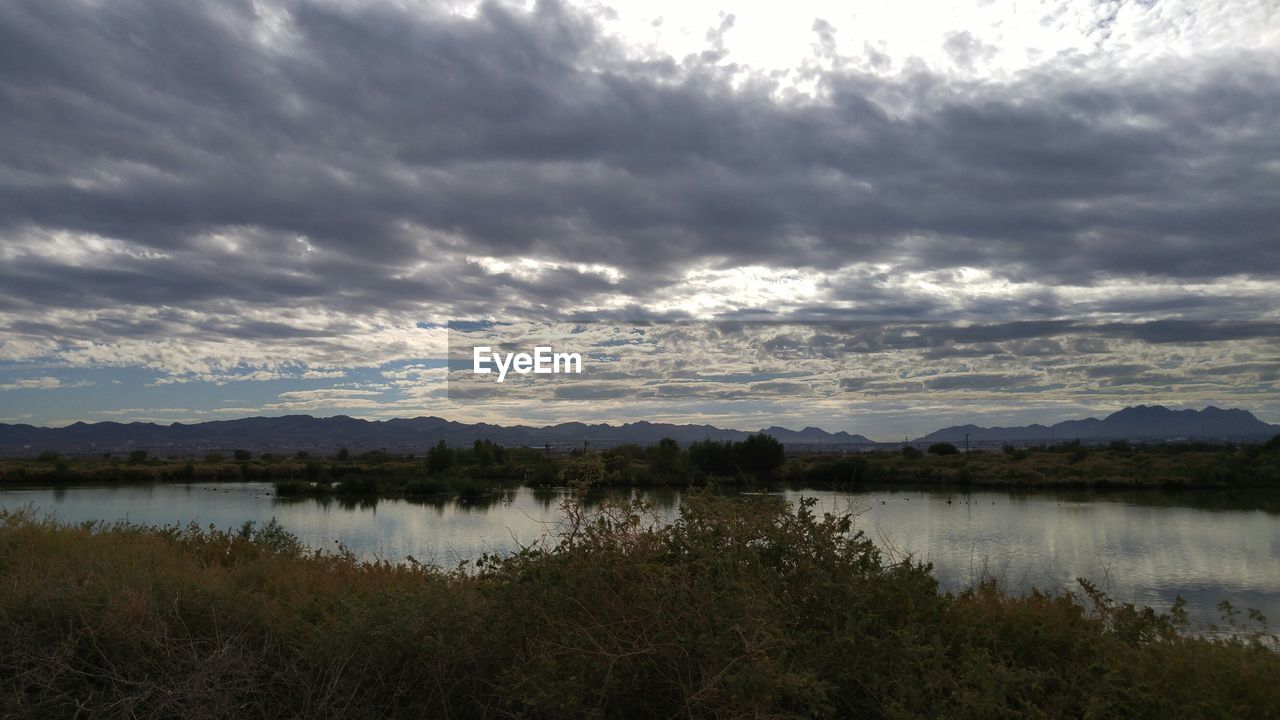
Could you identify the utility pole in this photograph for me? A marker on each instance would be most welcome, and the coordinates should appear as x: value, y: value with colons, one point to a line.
x: 966, y: 442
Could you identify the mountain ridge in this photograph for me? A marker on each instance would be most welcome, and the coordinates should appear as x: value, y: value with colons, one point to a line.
x: 1138, y: 422
x: 305, y: 432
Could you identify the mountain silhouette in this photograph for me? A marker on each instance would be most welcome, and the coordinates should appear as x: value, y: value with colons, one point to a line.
x: 304, y: 432
x: 290, y: 433
x: 1141, y: 422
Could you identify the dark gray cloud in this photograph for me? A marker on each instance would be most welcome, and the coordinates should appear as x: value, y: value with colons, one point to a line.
x: 984, y: 381
x: 1117, y: 370
x: 502, y: 130
x: 374, y: 159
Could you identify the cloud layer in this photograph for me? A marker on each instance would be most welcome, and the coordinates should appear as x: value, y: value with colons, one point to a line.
x: 240, y: 190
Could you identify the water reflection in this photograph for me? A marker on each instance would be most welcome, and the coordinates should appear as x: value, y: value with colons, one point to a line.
x: 1145, y: 547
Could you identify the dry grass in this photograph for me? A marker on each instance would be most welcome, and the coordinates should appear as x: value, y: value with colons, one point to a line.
x: 743, y: 608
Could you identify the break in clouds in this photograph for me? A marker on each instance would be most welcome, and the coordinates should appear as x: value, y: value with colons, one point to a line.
x: 244, y: 194
x: 863, y: 374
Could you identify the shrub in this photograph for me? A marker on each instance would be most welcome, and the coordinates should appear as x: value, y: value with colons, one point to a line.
x: 943, y: 448
x: 314, y: 470
x: 359, y: 485
x: 294, y: 488
x: 424, y: 487
x: 758, y: 455
x: 439, y: 458
x: 844, y: 471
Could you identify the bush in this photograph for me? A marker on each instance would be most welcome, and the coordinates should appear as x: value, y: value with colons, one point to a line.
x: 664, y: 458
x: 1014, y: 452
x: 758, y: 455
x: 242, y: 455
x: 911, y: 453
x: 294, y: 488
x: 943, y: 448
x: 424, y: 487
x: 439, y: 458
x: 314, y: 470
x: 361, y: 485
x: 845, y: 471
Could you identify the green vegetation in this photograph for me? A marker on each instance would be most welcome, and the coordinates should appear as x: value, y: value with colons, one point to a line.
x: 486, y: 467
x: 943, y: 448
x: 1067, y: 465
x: 741, y: 608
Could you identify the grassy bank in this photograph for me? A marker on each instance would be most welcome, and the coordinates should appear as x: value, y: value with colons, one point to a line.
x: 742, y: 608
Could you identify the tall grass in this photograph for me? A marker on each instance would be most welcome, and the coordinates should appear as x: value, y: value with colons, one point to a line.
x: 741, y: 608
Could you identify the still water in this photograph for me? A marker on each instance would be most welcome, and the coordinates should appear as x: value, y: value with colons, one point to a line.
x: 1145, y: 548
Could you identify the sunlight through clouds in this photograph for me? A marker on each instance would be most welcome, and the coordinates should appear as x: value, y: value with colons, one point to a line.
x: 309, y: 202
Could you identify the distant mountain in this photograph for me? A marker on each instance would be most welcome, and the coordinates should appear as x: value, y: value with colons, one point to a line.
x: 814, y: 436
x: 303, y: 432
x: 1142, y: 422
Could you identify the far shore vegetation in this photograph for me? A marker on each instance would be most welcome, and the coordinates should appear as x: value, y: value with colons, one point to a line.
x: 759, y: 460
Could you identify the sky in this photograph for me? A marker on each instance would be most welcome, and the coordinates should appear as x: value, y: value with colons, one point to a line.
x: 221, y: 209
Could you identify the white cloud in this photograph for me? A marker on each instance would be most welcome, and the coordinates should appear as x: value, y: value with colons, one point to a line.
x: 45, y: 382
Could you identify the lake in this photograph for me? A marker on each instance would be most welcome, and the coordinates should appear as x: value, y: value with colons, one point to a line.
x: 1145, y: 548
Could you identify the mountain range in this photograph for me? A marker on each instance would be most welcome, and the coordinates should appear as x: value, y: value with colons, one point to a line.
x: 303, y: 432
x: 1142, y: 422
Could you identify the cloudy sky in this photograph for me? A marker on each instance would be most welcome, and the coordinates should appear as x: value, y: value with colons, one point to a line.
x: 212, y: 210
